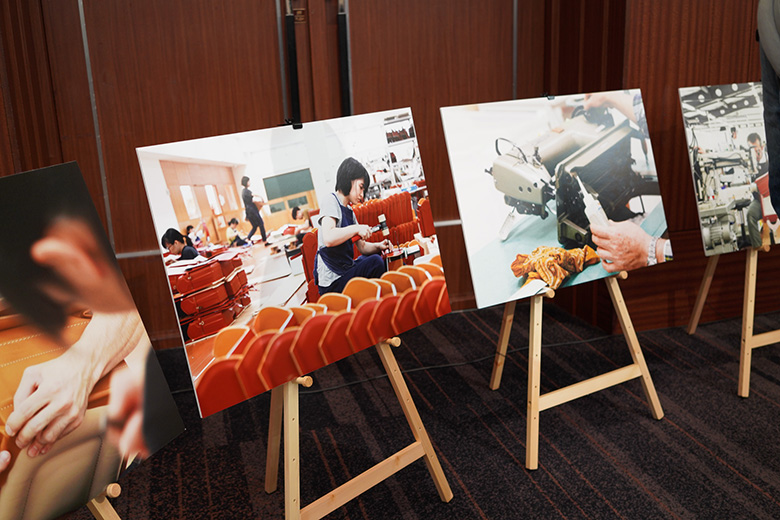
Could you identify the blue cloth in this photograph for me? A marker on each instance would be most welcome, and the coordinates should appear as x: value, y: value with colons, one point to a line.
x: 371, y: 266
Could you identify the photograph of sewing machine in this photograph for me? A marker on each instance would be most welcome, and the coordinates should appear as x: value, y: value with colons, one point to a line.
x: 341, y: 257
x: 554, y: 191
x: 724, y: 128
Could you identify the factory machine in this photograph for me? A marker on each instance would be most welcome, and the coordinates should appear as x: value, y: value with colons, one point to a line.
x: 585, y: 165
x: 724, y: 190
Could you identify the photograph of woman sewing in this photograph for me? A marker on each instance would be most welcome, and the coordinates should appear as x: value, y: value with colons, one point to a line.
x: 335, y: 264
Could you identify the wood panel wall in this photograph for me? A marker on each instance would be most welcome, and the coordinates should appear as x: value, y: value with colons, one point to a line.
x: 162, y: 72
x: 168, y: 71
x: 440, y: 53
x: 672, y: 44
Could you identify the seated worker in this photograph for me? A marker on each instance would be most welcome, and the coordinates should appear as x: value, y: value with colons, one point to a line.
x: 178, y: 244
x: 233, y: 236
x: 334, y: 264
x: 193, y: 236
x: 301, y: 230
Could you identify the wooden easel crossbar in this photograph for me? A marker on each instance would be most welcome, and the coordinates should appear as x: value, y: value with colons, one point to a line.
x: 538, y: 402
x: 284, y: 409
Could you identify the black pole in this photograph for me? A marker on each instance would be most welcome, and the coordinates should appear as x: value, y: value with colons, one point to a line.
x: 346, y: 109
x: 292, y: 60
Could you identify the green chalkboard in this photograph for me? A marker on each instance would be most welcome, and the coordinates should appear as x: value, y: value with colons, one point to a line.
x: 288, y: 184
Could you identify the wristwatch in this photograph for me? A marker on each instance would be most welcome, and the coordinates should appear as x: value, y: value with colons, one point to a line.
x: 651, y: 258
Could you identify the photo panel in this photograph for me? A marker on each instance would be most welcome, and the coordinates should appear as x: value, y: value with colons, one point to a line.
x: 724, y: 129
x: 81, y: 391
x: 555, y: 191
x: 289, y: 249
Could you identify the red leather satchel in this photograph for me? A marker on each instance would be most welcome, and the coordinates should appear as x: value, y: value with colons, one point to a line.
x: 229, y: 261
x: 199, y: 277
x: 235, y: 282
x: 203, y: 325
x: 204, y: 300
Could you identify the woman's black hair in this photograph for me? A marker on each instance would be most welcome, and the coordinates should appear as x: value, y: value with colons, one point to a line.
x: 232, y: 221
x: 244, y: 181
x: 350, y: 170
x: 189, y: 228
x: 295, y: 212
x: 173, y: 235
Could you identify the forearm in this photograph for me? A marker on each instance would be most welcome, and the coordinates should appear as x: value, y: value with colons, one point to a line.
x: 369, y: 248
x: 336, y: 235
x: 107, y: 340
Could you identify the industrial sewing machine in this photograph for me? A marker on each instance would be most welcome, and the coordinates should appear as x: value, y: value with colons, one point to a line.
x: 585, y: 165
x: 724, y: 187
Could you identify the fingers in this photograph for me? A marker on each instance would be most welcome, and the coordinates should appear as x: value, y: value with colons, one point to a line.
x: 61, y: 426
x: 36, y: 447
x: 5, y: 460
x: 26, y: 404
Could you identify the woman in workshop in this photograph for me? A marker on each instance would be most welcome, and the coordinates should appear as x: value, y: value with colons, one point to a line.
x: 252, y: 211
x: 299, y: 214
x: 178, y: 244
x: 334, y: 264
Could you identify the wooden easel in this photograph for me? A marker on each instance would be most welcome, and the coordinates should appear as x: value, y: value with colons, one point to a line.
x: 749, y: 341
x: 538, y: 402
x: 101, y: 508
x: 284, y: 408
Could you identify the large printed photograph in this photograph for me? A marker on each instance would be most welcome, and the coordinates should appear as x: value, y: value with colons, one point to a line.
x: 724, y: 128
x: 555, y: 191
x: 288, y: 249
x: 81, y: 392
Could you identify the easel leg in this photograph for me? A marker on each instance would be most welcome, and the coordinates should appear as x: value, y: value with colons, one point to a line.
x: 634, y: 347
x: 704, y: 289
x: 101, y: 508
x: 274, y: 440
x: 414, y: 420
x: 503, y: 341
x: 292, y: 468
x: 534, y: 381
x: 748, y: 313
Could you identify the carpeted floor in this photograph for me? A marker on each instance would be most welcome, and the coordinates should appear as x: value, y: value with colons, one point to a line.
x: 713, y: 455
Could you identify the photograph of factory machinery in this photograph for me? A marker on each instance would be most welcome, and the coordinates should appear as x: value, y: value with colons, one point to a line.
x: 724, y: 127
x: 554, y: 191
x: 288, y: 249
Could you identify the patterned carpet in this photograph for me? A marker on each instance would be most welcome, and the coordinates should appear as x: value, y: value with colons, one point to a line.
x: 713, y: 455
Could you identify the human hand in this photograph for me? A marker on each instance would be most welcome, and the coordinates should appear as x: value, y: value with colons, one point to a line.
x: 385, y: 245
x: 622, y: 245
x: 72, y: 251
x: 363, y: 231
x: 5, y: 460
x: 51, y: 399
x: 49, y: 403
x: 125, y: 414
x: 619, y: 100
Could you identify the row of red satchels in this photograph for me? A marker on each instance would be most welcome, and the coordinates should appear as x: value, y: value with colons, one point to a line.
x: 213, y: 319
x: 397, y: 210
x: 187, y: 278
x: 285, y: 343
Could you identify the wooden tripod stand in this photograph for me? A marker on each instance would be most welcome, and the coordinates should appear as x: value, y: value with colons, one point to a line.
x: 749, y: 341
x: 284, y: 408
x: 538, y: 402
